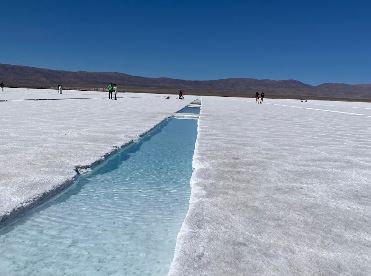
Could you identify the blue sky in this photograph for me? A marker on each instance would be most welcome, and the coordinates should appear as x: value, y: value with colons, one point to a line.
x: 312, y: 41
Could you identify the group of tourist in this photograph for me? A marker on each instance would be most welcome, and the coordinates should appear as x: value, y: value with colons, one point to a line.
x: 112, y: 89
x: 259, y: 97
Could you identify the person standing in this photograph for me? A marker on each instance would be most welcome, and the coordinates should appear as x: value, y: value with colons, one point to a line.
x: 60, y: 88
x: 110, y: 90
x: 181, y: 95
x: 262, y: 97
x: 257, y: 97
x: 115, y: 91
x: 2, y: 86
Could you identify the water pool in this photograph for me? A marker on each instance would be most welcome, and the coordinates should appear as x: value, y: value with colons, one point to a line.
x: 190, y: 109
x: 120, y: 219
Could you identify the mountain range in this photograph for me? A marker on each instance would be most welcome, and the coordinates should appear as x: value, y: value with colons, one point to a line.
x: 25, y: 76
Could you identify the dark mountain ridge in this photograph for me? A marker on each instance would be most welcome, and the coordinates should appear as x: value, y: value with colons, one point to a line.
x: 32, y: 77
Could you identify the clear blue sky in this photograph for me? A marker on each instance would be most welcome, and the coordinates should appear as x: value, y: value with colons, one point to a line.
x: 312, y: 41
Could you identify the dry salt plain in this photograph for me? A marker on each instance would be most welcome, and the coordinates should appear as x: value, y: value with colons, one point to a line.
x: 281, y: 188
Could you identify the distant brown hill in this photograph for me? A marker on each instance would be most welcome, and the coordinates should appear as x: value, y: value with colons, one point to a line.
x: 24, y: 76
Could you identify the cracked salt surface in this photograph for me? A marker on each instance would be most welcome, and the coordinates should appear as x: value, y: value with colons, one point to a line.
x: 41, y: 142
x: 281, y: 188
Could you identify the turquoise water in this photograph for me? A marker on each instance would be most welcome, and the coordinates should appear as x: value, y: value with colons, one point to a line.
x: 121, y: 219
x: 190, y: 109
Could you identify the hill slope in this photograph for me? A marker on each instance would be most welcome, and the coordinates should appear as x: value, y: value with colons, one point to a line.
x: 24, y: 76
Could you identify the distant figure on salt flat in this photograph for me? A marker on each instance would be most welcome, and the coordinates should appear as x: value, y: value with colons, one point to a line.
x: 257, y: 97
x: 181, y: 95
x: 2, y: 86
x: 60, y: 88
x: 115, y: 90
x: 110, y: 90
x: 262, y: 97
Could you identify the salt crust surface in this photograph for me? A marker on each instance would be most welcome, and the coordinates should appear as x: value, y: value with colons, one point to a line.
x: 281, y: 188
x: 41, y: 142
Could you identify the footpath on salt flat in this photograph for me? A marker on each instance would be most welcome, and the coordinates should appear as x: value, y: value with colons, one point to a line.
x: 281, y: 188
x: 44, y: 135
